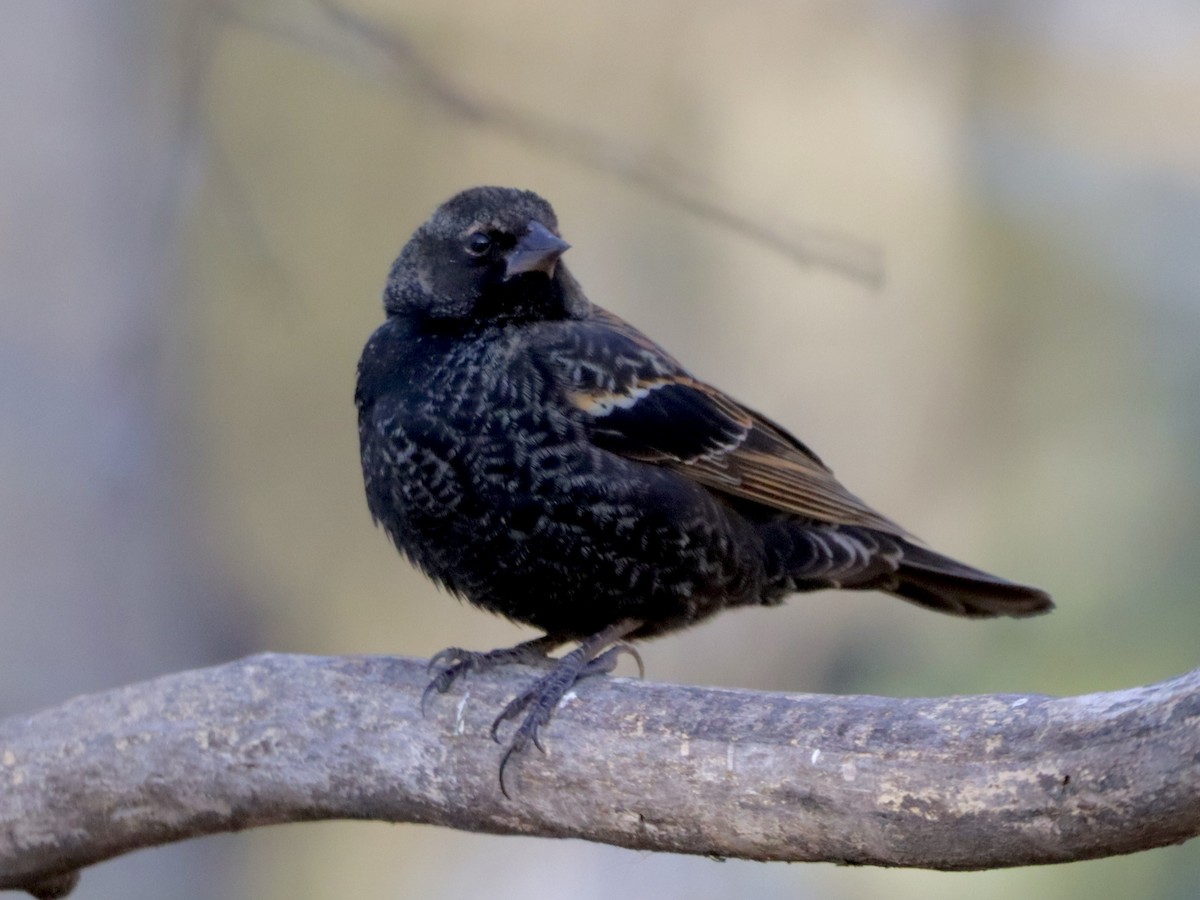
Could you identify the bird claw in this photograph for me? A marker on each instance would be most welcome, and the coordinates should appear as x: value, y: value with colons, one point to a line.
x: 606, y: 662
x: 451, y: 664
x: 637, y: 657
x: 539, y: 701
x: 543, y: 696
x: 454, y: 663
x: 450, y: 655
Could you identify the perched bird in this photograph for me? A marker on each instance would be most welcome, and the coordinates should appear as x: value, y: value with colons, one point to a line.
x: 542, y: 458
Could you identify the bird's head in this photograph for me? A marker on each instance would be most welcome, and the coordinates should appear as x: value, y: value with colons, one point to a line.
x: 487, y: 255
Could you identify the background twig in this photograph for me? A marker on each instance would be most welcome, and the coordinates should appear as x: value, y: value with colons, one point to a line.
x: 349, y: 36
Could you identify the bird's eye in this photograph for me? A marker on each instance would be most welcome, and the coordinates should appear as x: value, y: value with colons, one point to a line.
x: 479, y: 243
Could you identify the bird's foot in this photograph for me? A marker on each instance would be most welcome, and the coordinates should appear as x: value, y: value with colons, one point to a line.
x: 453, y: 663
x: 539, y: 701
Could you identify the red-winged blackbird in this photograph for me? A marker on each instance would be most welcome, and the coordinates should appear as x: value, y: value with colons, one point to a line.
x: 540, y: 457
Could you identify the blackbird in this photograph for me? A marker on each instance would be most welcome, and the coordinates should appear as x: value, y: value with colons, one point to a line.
x: 544, y: 459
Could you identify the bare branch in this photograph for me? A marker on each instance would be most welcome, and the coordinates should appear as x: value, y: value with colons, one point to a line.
x: 350, y: 37
x: 946, y: 783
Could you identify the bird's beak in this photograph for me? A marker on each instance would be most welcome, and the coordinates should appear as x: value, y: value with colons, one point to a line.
x: 537, y: 251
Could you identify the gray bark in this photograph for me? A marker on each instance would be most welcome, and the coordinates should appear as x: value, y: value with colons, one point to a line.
x: 943, y: 783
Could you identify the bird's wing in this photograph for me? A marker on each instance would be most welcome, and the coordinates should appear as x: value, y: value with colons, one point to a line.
x: 641, y: 404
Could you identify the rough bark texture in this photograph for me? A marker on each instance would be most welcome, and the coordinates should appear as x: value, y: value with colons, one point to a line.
x: 944, y: 783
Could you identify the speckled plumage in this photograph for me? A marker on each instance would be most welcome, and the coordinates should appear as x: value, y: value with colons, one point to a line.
x: 543, y: 459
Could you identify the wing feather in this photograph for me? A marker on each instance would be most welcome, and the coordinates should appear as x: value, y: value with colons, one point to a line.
x: 643, y: 405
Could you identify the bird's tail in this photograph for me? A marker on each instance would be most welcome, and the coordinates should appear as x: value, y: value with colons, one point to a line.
x: 940, y: 583
x: 805, y: 557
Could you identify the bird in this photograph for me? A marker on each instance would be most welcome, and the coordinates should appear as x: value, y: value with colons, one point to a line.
x: 539, y: 456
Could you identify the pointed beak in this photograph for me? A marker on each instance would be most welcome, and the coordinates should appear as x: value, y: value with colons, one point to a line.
x: 537, y: 251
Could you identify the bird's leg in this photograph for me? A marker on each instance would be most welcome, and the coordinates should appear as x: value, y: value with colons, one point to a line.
x: 596, y: 655
x: 455, y: 662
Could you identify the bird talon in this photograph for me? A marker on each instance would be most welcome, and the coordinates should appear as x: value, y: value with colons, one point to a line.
x: 425, y: 695
x: 631, y: 650
x: 504, y: 760
x: 537, y: 740
x: 451, y: 655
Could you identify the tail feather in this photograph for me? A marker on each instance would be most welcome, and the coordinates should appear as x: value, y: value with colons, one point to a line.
x: 803, y: 557
x: 940, y: 583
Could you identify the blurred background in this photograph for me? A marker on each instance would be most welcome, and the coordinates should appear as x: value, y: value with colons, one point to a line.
x: 200, y: 202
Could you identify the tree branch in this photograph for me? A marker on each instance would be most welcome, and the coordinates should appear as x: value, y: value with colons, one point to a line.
x: 368, y: 45
x: 945, y: 783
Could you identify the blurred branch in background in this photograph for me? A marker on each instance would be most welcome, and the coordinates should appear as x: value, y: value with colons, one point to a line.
x: 108, y: 571
x: 954, y: 783
x: 349, y: 36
